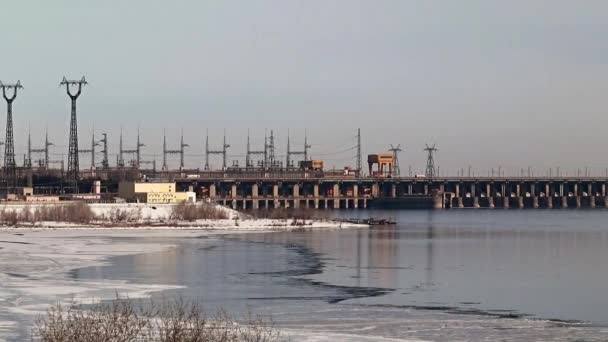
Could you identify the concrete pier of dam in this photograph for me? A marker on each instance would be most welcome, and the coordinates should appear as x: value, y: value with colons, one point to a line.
x: 262, y: 191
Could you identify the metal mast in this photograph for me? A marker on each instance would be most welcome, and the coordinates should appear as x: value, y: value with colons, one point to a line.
x: 223, y: 152
x: 182, y: 146
x: 359, y: 162
x: 105, y: 164
x: 306, y: 146
x: 250, y: 153
x: 396, y: 169
x: 121, y: 160
x: 45, y: 150
x: 9, y: 144
x: 288, y: 161
x: 47, y: 144
x: 28, y: 162
x: 136, y: 151
x: 91, y: 150
x: 430, y: 161
x: 302, y: 153
x: 207, y: 151
x: 73, y: 166
x: 164, y: 168
x: 224, y: 149
x: 265, y: 149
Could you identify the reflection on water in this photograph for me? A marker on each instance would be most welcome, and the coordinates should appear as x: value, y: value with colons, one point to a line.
x: 548, y: 264
x: 429, y: 253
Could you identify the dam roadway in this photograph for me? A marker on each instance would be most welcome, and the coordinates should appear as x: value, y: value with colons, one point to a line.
x: 304, y: 190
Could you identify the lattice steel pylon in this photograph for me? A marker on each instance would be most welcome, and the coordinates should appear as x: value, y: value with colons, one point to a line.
x: 9, y: 144
x: 73, y: 173
x: 396, y: 172
x: 430, y: 161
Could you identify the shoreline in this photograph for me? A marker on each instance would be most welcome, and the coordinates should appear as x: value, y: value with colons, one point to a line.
x: 217, y: 226
x: 159, y: 216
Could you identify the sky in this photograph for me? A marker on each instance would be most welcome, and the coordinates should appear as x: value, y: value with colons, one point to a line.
x: 509, y: 84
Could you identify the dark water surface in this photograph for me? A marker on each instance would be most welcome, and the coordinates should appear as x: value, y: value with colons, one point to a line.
x: 490, y: 273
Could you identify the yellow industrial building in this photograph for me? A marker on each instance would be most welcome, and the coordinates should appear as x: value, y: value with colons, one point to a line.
x: 153, y: 193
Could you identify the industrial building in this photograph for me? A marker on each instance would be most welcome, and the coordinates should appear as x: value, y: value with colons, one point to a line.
x: 153, y: 193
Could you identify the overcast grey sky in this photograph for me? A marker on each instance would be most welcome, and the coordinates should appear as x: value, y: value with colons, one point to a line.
x: 511, y: 83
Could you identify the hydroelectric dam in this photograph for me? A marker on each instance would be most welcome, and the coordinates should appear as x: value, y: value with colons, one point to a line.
x: 257, y: 191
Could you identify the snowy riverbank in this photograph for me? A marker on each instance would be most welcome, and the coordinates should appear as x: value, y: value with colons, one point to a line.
x: 160, y: 216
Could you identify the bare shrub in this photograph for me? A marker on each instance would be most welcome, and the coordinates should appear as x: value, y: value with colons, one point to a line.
x: 192, y: 212
x: 117, y: 321
x: 166, y: 321
x: 10, y: 217
x: 77, y: 212
x: 123, y: 215
x: 26, y: 215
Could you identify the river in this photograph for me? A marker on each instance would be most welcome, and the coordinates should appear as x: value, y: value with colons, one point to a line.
x: 469, y: 275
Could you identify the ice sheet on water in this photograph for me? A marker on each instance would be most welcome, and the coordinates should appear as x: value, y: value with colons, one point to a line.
x: 34, y: 275
x: 369, y: 323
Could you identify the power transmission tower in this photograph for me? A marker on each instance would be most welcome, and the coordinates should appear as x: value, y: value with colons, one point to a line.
x: 396, y: 170
x: 430, y: 161
x: 303, y: 153
x: 9, y: 144
x: 359, y: 157
x: 73, y: 166
x: 270, y: 151
x: 182, y: 146
x: 223, y: 152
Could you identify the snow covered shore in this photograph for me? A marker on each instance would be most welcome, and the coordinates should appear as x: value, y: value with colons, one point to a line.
x: 158, y: 216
